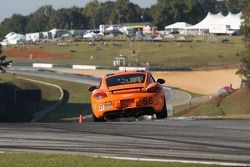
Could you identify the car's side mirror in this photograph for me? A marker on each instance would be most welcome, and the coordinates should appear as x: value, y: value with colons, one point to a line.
x: 92, y: 88
x: 161, y: 81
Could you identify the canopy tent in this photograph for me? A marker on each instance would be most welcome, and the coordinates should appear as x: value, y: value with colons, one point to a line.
x: 177, y: 27
x: 14, y: 39
x: 208, y: 20
x: 216, y: 24
x: 234, y: 20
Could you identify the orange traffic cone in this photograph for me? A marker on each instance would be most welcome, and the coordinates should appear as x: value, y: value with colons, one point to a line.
x: 80, y: 118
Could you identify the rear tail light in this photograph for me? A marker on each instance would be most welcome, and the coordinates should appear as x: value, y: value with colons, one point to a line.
x: 154, y: 89
x: 100, y: 95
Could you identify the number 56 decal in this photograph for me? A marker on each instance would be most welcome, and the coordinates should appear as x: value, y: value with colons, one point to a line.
x: 147, y: 100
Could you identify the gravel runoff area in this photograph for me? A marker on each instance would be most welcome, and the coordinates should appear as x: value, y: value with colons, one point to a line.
x: 200, y: 82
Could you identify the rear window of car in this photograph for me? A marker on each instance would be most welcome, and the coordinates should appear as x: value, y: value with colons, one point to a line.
x: 125, y: 79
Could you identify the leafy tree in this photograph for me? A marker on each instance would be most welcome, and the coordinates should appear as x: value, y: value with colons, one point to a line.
x: 3, y: 62
x: 125, y: 11
x: 245, y: 62
x: 76, y: 19
x: 67, y: 19
x: 106, y: 9
x: 38, y: 21
x: 17, y: 23
x: 134, y: 13
x: 220, y: 6
x: 164, y: 12
x: 119, y: 11
x: 93, y: 11
x: 161, y: 13
x: 209, y: 6
x: 195, y: 12
x: 233, y: 5
x: 167, y: 12
x: 58, y: 19
x: 146, y: 15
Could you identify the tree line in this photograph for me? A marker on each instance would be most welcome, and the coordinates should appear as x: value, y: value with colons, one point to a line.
x: 94, y: 13
x: 244, y: 69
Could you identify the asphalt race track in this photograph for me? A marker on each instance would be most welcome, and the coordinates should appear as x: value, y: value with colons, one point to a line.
x: 226, y: 141
x: 217, y: 141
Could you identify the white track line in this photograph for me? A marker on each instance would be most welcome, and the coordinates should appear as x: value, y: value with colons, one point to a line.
x: 187, y: 94
x: 177, y: 161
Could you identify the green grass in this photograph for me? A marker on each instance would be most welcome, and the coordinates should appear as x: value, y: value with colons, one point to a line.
x: 210, y: 109
x: 194, y: 54
x: 22, y: 112
x: 76, y: 101
x: 56, y: 160
x: 235, y: 105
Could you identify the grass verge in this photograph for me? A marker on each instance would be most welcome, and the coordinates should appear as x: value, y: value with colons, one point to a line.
x: 76, y: 100
x: 56, y: 160
x: 22, y: 112
x: 235, y: 105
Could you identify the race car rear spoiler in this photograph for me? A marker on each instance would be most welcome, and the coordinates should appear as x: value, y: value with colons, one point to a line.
x: 116, y: 90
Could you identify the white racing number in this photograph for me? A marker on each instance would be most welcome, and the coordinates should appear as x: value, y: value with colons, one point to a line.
x: 147, y: 100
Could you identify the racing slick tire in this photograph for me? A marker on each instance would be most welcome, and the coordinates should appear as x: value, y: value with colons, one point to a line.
x: 164, y: 112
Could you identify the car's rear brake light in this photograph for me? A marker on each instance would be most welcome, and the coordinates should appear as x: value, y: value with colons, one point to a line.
x: 100, y: 95
x: 154, y: 89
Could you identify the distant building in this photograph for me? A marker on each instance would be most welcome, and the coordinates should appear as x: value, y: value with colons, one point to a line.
x: 120, y: 61
x: 103, y: 28
x: 57, y: 33
x: 34, y: 37
x: 149, y: 29
x: 128, y: 28
x: 13, y: 38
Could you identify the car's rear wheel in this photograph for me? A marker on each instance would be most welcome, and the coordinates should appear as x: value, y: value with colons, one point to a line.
x: 95, y: 119
x: 164, y: 112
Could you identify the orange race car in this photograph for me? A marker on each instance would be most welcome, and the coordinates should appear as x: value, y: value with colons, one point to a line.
x: 127, y: 94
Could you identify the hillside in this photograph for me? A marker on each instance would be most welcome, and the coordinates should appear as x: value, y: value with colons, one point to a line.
x: 209, y: 52
x: 236, y: 105
x: 22, y: 112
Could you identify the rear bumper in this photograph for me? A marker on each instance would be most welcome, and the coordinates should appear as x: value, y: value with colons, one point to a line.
x: 141, y: 104
x: 129, y: 112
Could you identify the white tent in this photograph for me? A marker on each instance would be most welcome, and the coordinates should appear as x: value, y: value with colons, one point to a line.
x: 234, y: 20
x: 91, y: 35
x: 34, y: 37
x: 14, y: 39
x: 112, y: 28
x: 56, y: 33
x: 216, y: 24
x: 177, y: 27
